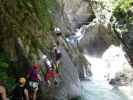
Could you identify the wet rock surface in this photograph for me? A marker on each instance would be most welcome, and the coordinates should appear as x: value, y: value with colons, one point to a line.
x: 122, y: 78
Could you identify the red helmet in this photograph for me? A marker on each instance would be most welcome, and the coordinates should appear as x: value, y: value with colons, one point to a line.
x: 36, y: 65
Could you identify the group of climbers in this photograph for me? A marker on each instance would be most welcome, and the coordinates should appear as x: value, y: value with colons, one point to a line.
x: 27, y: 86
x: 54, y: 66
x: 52, y: 70
x: 19, y: 92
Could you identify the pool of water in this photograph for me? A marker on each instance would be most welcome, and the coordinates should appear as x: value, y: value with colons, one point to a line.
x: 103, y: 69
x: 100, y: 90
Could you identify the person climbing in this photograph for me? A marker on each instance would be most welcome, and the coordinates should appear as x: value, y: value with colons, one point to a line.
x: 50, y: 73
x: 3, y: 95
x: 20, y: 92
x: 34, y: 79
x: 56, y: 57
x: 33, y: 73
x: 57, y: 30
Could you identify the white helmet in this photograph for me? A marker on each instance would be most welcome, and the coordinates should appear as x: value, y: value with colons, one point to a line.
x: 57, y: 30
x: 44, y: 57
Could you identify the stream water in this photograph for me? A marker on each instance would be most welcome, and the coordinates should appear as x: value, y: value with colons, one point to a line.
x: 97, y: 88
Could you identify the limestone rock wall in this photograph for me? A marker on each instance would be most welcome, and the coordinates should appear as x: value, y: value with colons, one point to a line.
x: 26, y: 32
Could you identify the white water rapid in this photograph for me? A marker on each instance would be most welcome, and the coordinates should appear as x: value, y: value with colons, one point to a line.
x: 103, y: 69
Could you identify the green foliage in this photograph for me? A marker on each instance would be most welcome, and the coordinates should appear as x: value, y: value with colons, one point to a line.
x: 121, y: 8
x: 44, y: 10
x: 3, y: 61
x: 4, y: 70
x: 24, y: 19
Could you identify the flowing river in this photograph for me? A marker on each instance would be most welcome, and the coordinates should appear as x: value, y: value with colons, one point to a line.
x: 97, y: 88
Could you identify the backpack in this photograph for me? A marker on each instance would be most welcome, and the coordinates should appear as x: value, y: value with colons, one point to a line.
x: 33, y: 85
x: 47, y: 64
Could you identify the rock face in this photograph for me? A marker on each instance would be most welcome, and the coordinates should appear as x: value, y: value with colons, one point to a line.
x: 22, y: 31
x: 128, y: 39
x: 70, y: 76
x: 26, y: 34
x: 97, y: 30
x: 98, y: 34
x: 123, y: 78
x: 68, y: 83
x: 91, y: 18
x: 123, y: 28
x: 77, y: 12
x: 97, y: 37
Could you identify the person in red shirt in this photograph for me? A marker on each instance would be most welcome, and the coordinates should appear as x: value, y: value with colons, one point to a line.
x: 50, y: 74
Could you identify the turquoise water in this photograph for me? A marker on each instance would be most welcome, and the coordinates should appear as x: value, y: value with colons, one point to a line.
x: 98, y: 90
x: 104, y: 68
